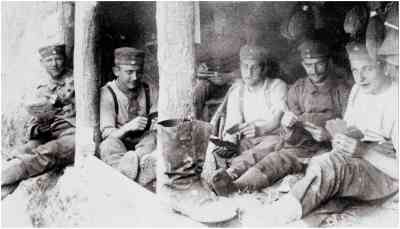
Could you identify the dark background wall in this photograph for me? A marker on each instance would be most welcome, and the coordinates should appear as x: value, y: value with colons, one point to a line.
x: 225, y: 27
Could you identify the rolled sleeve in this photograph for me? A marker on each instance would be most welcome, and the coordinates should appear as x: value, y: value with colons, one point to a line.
x: 293, y: 97
x: 293, y: 135
x: 279, y: 95
x: 108, y: 117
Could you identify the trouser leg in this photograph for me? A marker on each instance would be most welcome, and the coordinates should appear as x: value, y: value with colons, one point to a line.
x: 334, y: 175
x: 58, y: 152
x: 111, y: 151
x: 271, y: 168
x: 114, y: 153
x: 201, y: 95
x: 147, y: 144
x: 249, y: 158
x: 24, y: 149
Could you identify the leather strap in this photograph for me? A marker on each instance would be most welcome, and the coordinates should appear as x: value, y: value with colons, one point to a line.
x: 114, y: 96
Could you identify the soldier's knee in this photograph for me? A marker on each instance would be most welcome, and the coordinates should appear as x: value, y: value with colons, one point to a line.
x: 111, y: 145
x: 326, y: 160
x: 326, y: 164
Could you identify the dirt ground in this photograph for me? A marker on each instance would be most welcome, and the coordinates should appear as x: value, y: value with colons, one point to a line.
x: 335, y: 213
x: 47, y: 200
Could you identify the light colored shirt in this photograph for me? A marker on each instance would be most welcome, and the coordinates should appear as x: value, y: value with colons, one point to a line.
x: 377, y: 113
x: 128, y: 108
x: 263, y: 104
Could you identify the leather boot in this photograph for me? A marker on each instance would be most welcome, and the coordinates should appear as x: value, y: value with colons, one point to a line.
x: 252, y: 180
x: 184, y: 144
x: 222, y: 183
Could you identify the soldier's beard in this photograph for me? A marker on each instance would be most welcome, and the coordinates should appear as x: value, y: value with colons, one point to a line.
x: 318, y: 78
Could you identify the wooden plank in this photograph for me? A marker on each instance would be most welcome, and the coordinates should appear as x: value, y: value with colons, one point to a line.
x: 176, y: 64
x: 86, y: 82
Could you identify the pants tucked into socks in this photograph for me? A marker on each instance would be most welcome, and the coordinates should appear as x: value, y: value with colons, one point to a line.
x: 271, y: 168
x: 334, y: 175
x: 250, y: 157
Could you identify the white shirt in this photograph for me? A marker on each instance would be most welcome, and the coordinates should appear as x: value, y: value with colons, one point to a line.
x: 263, y: 104
x: 377, y: 113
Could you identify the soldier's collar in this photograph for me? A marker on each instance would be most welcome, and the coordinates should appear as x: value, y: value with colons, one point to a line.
x: 264, y: 86
x: 323, y: 87
x: 132, y: 93
x: 54, y: 83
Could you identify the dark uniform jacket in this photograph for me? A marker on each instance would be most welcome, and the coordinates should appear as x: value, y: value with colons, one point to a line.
x: 316, y: 105
x: 64, y: 96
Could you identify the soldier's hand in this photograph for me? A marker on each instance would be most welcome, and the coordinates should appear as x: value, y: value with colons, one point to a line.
x: 385, y: 148
x: 43, y: 127
x: 248, y: 129
x: 225, y: 152
x: 288, y: 119
x: 320, y: 134
x: 347, y: 146
x: 245, y: 144
x: 139, y: 123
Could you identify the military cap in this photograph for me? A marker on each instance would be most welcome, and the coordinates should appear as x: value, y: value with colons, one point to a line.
x: 52, y: 50
x: 128, y: 56
x: 301, y: 23
x: 253, y: 52
x: 313, y: 49
x: 357, y: 51
x: 356, y: 20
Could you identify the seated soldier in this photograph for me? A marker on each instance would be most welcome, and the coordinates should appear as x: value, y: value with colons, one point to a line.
x: 255, y: 106
x: 364, y: 167
x: 211, y: 84
x: 51, y: 132
x: 126, y: 106
x: 311, y: 102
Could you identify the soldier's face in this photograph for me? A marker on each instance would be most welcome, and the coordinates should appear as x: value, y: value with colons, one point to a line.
x: 53, y: 64
x: 316, y: 68
x: 251, y: 71
x: 128, y: 75
x: 368, y: 74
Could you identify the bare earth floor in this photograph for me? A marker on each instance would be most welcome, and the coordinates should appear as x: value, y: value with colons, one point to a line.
x: 111, y: 200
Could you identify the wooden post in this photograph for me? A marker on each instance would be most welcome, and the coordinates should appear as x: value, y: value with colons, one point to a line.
x: 86, y: 81
x: 176, y: 63
x: 67, y: 20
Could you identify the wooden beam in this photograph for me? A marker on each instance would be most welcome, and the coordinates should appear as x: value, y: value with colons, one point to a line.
x: 86, y: 80
x: 176, y: 63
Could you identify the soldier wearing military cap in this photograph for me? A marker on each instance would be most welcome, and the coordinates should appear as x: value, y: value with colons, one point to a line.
x: 362, y: 163
x: 51, y: 131
x: 312, y: 101
x: 253, y: 109
x: 127, y: 105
